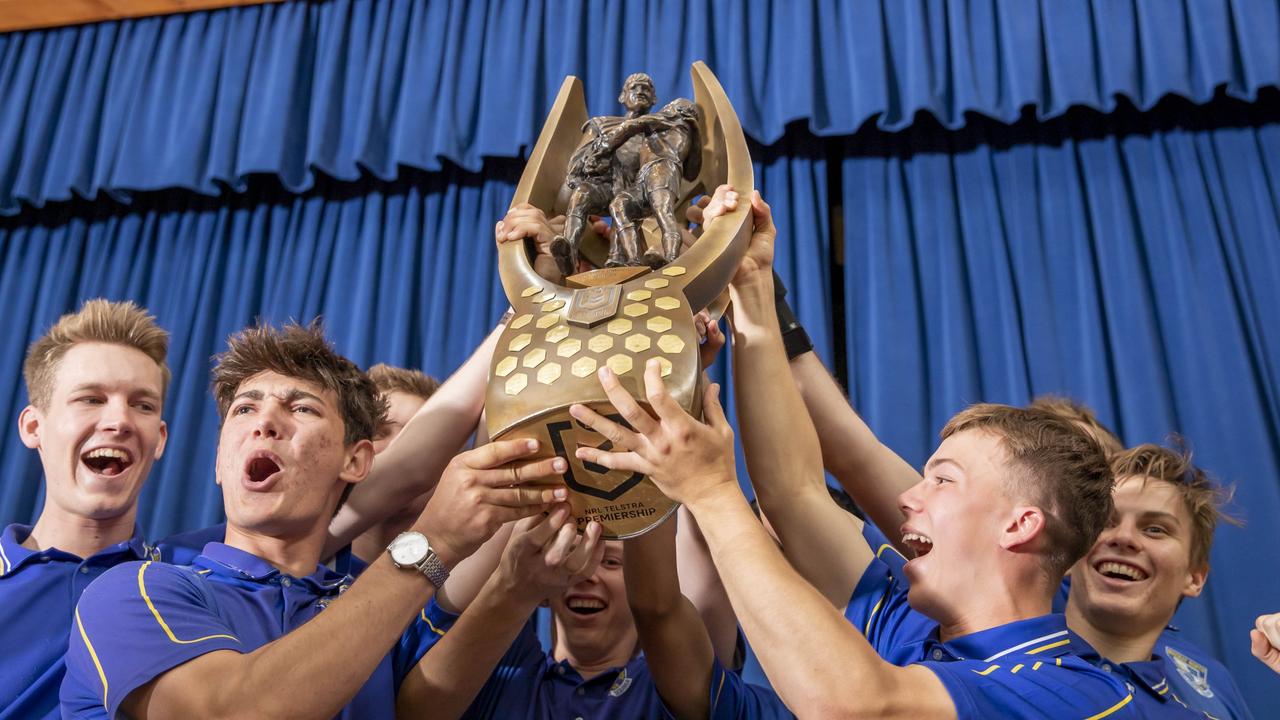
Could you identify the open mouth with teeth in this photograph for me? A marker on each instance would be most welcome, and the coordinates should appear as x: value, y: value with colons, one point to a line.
x: 1120, y: 571
x: 919, y: 544
x: 260, y: 469
x: 107, y: 461
x: 584, y: 605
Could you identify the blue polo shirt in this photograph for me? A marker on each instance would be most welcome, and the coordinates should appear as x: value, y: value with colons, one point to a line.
x: 141, y: 619
x: 528, y: 683
x: 38, y: 594
x: 1025, y: 669
x: 1179, y: 672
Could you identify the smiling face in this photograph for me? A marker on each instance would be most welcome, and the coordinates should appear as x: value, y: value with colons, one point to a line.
x: 593, y: 616
x: 954, y: 519
x: 282, y: 464
x: 1130, y: 583
x: 101, y: 430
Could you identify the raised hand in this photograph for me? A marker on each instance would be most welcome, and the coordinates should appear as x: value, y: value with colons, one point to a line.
x: 546, y: 555
x: 524, y: 221
x: 1265, y: 640
x: 686, y: 458
x: 484, y: 488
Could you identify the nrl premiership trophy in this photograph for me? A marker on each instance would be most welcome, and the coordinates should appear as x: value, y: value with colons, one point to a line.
x: 639, y: 301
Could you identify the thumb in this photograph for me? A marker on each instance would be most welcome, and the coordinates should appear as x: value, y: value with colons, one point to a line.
x: 711, y: 408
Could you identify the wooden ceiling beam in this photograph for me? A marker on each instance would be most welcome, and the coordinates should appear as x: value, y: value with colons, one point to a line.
x: 37, y: 14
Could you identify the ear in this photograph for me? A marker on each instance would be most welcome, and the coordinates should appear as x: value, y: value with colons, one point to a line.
x: 1026, y: 524
x: 1196, y: 578
x: 357, y: 462
x: 164, y: 439
x: 29, y: 426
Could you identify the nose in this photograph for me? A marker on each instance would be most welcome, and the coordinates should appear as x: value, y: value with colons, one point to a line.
x: 1120, y: 535
x: 909, y: 500
x: 117, y: 416
x: 267, y: 423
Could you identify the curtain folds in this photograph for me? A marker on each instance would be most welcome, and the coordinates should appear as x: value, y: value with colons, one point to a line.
x: 203, y: 101
x: 1127, y: 261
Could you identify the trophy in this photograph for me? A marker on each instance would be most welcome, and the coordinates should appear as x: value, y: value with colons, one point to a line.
x: 639, y: 303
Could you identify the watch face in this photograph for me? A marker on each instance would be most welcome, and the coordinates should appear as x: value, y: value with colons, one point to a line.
x: 409, y: 549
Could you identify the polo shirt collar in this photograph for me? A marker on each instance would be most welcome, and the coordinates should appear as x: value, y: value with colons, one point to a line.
x: 1149, y: 673
x: 1046, y: 634
x: 614, y: 676
x: 234, y: 562
x: 13, y: 556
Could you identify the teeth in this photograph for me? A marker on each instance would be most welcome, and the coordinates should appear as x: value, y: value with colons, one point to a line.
x: 585, y: 604
x: 107, y: 453
x: 916, y: 537
x: 1115, y: 568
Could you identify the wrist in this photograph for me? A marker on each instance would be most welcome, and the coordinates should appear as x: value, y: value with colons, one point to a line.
x: 714, y: 495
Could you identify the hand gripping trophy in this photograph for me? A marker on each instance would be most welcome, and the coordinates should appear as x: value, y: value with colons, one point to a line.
x: 643, y: 168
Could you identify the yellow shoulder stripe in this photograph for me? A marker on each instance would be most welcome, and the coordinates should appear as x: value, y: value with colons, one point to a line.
x: 723, y: 673
x: 989, y: 670
x: 142, y: 588
x: 93, y: 654
x: 427, y: 620
x: 1016, y: 668
x: 866, y: 631
x: 890, y: 548
x: 1050, y: 646
x: 1111, y: 709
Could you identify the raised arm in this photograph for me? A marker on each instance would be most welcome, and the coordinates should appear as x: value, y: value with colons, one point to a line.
x: 675, y: 641
x: 872, y: 474
x: 412, y: 463
x: 784, y: 458
x: 819, y: 664
x: 316, y: 669
x: 544, y: 556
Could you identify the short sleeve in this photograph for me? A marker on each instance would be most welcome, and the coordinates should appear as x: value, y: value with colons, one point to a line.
x: 511, y: 687
x: 132, y: 624
x: 424, y: 632
x: 1027, y: 687
x: 733, y: 698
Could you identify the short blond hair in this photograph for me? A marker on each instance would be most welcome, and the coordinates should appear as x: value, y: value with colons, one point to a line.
x: 98, y: 320
x: 1083, y: 414
x: 1063, y: 469
x: 389, y: 379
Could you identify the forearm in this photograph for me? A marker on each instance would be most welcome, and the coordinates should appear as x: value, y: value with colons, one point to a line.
x: 472, y: 574
x: 778, y: 438
x: 413, y: 462
x: 447, y: 679
x: 817, y: 662
x: 700, y: 582
x: 872, y: 474
x: 671, y: 632
x: 312, y: 671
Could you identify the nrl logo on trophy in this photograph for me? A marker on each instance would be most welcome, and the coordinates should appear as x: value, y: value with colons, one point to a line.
x: 624, y: 301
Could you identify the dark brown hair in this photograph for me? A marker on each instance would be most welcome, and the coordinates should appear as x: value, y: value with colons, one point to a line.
x: 1064, y: 472
x: 120, y: 323
x: 300, y: 352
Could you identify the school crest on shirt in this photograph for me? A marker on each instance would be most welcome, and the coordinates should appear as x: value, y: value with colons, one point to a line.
x: 1196, y: 675
x: 621, y: 685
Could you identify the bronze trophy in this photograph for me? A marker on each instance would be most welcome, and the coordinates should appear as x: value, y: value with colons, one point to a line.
x: 643, y: 169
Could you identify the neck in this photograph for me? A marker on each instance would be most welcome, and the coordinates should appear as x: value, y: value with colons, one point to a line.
x: 80, y: 536
x: 996, y: 607
x: 591, y: 659
x: 296, y: 556
x: 1123, y: 643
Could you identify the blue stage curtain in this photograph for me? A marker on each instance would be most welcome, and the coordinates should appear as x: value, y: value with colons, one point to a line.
x: 401, y: 272
x: 204, y: 100
x: 1128, y: 261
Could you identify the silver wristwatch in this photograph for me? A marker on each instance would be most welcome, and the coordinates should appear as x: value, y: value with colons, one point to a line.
x: 411, y: 551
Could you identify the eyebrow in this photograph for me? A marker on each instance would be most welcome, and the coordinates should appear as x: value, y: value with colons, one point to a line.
x: 293, y: 395
x: 99, y: 387
x: 1160, y: 515
x: 939, y: 461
